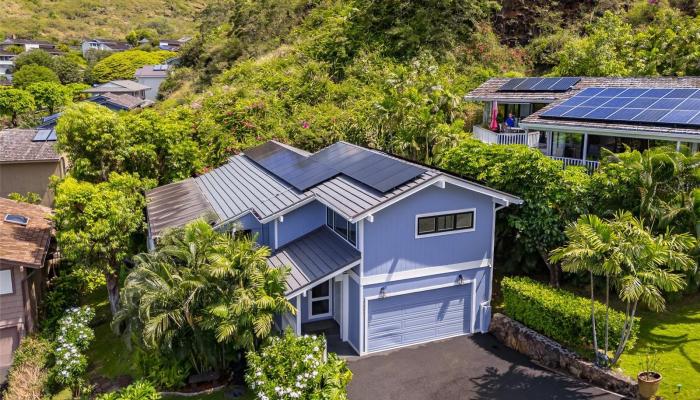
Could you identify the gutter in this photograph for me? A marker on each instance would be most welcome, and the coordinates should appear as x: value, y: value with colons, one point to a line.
x: 643, y: 134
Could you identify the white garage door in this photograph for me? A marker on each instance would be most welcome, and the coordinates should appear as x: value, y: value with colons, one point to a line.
x: 418, y: 317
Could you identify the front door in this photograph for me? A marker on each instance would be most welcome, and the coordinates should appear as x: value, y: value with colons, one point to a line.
x: 320, y: 298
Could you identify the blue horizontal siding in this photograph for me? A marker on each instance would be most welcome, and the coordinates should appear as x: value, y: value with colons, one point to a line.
x: 354, y: 313
x: 300, y: 222
x: 390, y: 244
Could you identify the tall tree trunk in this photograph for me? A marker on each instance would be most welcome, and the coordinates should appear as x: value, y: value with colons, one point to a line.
x: 552, y: 267
x: 595, y: 334
x: 113, y: 291
x: 607, y: 313
x: 626, y: 331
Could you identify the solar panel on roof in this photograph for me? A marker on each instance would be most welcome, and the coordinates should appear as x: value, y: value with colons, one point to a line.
x: 655, y: 106
x: 52, y: 136
x: 376, y: 170
x: 41, y: 135
x: 539, y: 84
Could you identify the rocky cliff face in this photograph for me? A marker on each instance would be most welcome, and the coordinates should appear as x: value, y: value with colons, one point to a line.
x: 521, y: 20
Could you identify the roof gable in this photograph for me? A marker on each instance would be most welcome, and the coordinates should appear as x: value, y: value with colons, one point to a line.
x: 24, y: 245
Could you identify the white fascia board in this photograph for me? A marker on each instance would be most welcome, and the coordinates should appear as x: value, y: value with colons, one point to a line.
x: 640, y: 134
x: 325, y: 278
x: 504, y: 198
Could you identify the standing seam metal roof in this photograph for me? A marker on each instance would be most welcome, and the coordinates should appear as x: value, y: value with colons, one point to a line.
x: 313, y: 257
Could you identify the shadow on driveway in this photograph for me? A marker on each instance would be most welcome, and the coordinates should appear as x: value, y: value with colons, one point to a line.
x: 474, y: 367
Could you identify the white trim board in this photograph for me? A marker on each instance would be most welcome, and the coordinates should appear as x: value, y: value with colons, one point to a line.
x: 424, y: 272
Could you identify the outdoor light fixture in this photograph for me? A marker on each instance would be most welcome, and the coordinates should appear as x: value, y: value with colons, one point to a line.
x: 460, y: 279
x: 382, y: 293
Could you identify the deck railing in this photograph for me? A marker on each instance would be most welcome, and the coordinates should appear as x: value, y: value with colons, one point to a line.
x: 588, y: 164
x: 530, y: 139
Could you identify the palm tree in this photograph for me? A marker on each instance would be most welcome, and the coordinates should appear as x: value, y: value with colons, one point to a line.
x: 640, y: 265
x: 202, y: 296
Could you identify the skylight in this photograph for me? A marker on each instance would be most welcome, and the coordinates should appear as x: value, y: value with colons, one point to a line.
x: 16, y: 219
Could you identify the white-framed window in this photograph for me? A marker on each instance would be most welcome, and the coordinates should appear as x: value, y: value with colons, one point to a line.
x: 445, y: 223
x: 6, y: 284
x: 341, y: 226
x: 320, y: 300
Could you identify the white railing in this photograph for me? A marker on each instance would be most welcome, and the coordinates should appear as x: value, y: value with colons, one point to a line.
x: 530, y: 139
x: 589, y: 165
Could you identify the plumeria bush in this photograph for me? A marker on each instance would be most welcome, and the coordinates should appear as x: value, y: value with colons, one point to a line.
x: 292, y: 367
x: 73, y: 337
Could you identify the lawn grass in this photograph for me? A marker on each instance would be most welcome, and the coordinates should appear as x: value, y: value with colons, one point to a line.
x: 675, y: 334
x: 214, y: 396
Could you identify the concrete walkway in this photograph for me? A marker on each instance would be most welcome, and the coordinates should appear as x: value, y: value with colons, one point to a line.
x: 476, y: 367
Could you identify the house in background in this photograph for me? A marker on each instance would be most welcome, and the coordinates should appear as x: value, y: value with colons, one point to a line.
x: 7, y: 64
x: 25, y: 241
x: 29, y: 45
x: 103, y: 45
x: 571, y: 119
x: 173, y: 44
x: 384, y: 253
x: 28, y: 159
x: 131, y: 88
x: 152, y: 76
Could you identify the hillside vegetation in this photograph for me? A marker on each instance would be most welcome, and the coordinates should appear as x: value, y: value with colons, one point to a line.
x: 68, y: 20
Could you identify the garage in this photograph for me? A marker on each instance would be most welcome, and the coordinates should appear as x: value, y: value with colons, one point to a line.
x: 419, y: 316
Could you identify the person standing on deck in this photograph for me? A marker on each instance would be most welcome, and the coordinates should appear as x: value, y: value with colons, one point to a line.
x: 510, y: 121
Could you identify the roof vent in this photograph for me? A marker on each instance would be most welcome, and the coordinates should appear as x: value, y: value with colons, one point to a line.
x: 16, y: 219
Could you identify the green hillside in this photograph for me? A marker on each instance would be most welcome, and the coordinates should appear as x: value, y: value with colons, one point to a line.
x: 67, y: 20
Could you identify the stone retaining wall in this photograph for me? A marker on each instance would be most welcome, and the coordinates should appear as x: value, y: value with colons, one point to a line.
x: 553, y: 355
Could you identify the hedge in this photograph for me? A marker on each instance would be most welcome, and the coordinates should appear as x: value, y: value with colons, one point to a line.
x: 560, y: 314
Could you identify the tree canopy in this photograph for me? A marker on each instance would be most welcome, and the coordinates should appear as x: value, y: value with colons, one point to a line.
x: 14, y: 102
x: 124, y: 64
x: 33, y: 73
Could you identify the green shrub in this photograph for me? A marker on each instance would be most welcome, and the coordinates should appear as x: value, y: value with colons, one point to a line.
x: 294, y: 367
x: 559, y: 314
x: 28, y: 375
x: 161, y: 370
x: 73, y: 338
x: 139, y: 390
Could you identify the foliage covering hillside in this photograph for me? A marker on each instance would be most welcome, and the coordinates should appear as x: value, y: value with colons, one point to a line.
x: 65, y: 20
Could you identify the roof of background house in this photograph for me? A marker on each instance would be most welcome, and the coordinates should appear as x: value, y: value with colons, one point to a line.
x: 117, y: 87
x: 489, y: 90
x: 153, y: 71
x: 243, y: 186
x: 124, y: 101
x: 24, y: 245
x: 313, y: 257
x: 16, y: 145
x: 113, y: 44
x: 10, y: 41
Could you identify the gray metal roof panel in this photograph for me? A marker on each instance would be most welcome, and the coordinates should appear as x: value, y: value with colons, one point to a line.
x: 174, y: 205
x: 313, y: 257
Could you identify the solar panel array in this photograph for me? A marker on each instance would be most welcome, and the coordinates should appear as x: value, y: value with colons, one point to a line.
x: 654, y: 106
x: 539, y: 84
x: 45, y: 135
x: 376, y: 170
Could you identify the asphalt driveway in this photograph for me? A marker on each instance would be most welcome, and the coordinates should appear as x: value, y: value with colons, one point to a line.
x: 476, y: 367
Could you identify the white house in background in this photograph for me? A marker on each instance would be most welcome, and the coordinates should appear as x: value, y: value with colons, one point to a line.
x: 103, y: 44
x: 572, y: 119
x: 7, y: 63
x: 29, y: 44
x: 152, y: 76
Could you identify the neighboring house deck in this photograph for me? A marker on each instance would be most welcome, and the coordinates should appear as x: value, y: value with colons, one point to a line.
x: 119, y: 87
x: 28, y: 159
x: 390, y: 252
x: 25, y: 238
x: 657, y: 111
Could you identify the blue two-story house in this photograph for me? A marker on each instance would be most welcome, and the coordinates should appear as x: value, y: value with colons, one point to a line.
x: 389, y: 252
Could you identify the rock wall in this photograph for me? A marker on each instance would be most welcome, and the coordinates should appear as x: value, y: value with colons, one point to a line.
x: 553, y: 355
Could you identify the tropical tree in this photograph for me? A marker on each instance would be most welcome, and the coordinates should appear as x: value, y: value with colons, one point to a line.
x: 202, y: 297
x: 124, y: 64
x: 34, y: 57
x: 49, y: 95
x: 641, y: 266
x: 32, y: 73
x: 95, y: 140
x: 14, y: 102
x: 96, y: 224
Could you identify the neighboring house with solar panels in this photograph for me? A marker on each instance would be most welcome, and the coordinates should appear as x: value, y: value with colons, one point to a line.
x: 383, y: 253
x: 572, y: 119
x: 152, y: 76
x: 28, y: 159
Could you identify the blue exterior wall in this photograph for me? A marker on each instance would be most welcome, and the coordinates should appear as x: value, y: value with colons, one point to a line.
x: 300, y: 222
x: 481, y: 277
x: 248, y: 221
x: 354, y: 313
x: 390, y: 244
